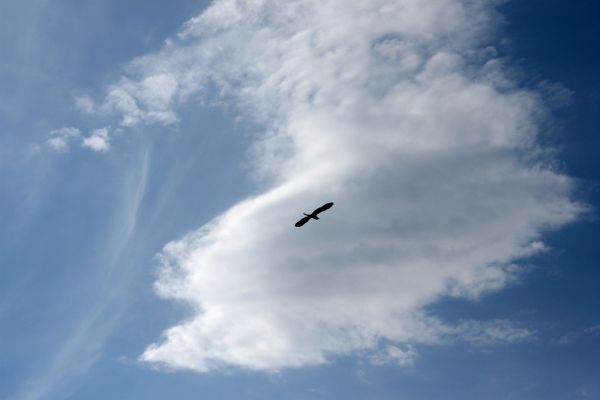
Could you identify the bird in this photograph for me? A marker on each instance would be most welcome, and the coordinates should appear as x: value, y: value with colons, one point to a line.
x: 314, y: 214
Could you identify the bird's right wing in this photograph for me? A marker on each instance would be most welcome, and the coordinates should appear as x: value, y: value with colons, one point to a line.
x: 324, y: 207
x: 302, y: 221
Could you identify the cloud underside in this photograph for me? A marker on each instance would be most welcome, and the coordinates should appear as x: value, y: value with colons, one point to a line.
x: 396, y: 111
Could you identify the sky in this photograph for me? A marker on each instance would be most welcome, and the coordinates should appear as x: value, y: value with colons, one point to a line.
x: 154, y: 157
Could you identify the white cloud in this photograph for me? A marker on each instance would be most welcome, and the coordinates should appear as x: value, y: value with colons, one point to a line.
x: 58, y: 143
x: 491, y: 333
x: 98, y: 140
x: 395, y: 355
x: 148, y: 100
x: 556, y: 94
x: 60, y: 139
x: 385, y: 107
x: 85, y: 104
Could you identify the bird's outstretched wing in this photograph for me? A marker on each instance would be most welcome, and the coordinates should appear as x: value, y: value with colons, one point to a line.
x: 302, y: 221
x: 323, y: 208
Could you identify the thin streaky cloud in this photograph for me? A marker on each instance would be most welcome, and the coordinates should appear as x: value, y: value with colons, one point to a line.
x: 85, y: 340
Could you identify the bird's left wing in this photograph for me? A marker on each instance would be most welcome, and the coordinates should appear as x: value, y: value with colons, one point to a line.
x: 302, y: 221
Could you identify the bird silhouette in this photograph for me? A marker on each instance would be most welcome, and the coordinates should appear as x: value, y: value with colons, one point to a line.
x: 314, y: 214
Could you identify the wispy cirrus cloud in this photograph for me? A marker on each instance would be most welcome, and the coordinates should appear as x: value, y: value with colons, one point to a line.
x: 83, y: 342
x: 398, y: 112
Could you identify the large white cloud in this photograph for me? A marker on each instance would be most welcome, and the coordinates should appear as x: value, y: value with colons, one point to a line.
x: 397, y: 112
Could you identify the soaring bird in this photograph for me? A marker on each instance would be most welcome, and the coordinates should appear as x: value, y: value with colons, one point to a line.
x: 314, y: 214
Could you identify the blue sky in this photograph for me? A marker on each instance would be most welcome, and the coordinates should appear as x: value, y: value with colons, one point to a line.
x: 154, y: 155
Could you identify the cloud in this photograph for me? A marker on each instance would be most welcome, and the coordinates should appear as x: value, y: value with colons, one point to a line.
x: 111, y: 270
x: 397, y: 112
x: 148, y: 100
x: 85, y: 104
x: 592, y: 330
x: 98, y: 140
x: 60, y: 139
x: 395, y: 355
x: 482, y: 334
x: 573, y: 336
x: 491, y: 332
